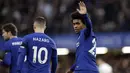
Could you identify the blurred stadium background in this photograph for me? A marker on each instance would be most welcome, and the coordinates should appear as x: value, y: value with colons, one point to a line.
x: 111, y: 23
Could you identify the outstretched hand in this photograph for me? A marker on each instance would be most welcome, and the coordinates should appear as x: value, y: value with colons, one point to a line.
x: 69, y: 71
x: 82, y: 8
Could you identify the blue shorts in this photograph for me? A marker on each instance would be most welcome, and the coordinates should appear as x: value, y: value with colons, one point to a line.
x: 86, y: 71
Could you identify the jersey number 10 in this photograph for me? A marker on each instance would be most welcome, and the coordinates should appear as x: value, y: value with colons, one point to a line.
x: 38, y: 52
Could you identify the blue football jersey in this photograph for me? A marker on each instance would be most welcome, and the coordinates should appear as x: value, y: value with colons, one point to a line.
x: 12, y: 47
x: 86, y: 48
x: 39, y: 49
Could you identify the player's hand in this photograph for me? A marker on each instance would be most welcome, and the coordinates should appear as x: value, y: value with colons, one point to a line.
x: 82, y: 8
x: 69, y: 71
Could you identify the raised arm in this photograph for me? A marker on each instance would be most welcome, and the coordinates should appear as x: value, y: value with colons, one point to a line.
x: 83, y: 11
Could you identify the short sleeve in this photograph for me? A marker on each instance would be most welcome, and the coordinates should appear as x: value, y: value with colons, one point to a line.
x: 25, y: 41
x: 53, y: 45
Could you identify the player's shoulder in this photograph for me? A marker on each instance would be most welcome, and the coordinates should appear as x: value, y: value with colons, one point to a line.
x: 83, y: 31
x: 7, y: 43
x: 51, y: 40
x: 15, y: 41
x: 52, y: 43
x: 18, y: 39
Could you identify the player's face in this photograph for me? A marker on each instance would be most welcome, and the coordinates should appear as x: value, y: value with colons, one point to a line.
x: 77, y: 25
x: 5, y: 35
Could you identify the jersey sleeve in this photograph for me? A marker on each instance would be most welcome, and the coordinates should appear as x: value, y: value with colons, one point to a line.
x: 88, y: 25
x: 24, y: 41
x: 54, y: 58
x: 21, y: 53
x: 21, y: 56
x: 53, y: 45
x: 7, y: 58
x: 7, y: 47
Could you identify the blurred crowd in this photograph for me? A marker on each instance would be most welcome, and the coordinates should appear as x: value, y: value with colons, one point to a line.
x: 115, y: 63
x: 112, y: 15
x: 106, y: 15
x: 120, y: 63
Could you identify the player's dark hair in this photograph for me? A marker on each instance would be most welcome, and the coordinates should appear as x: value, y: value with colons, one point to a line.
x: 10, y: 27
x: 40, y: 20
x: 76, y: 15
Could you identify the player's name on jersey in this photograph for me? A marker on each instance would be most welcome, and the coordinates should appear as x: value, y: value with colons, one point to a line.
x: 41, y: 39
x: 17, y: 43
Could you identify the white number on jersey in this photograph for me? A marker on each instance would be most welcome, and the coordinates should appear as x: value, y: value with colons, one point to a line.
x: 93, y: 49
x: 37, y: 53
x: 25, y: 58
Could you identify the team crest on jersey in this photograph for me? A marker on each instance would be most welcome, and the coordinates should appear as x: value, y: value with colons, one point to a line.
x: 77, y: 44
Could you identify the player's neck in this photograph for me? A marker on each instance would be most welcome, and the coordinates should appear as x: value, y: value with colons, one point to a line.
x: 13, y: 37
x: 39, y: 31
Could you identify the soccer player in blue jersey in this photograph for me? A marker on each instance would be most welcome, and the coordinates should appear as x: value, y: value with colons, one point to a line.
x: 11, y: 46
x: 40, y: 50
x: 86, y: 44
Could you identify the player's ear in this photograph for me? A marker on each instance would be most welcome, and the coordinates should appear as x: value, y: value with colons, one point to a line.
x: 34, y: 27
x: 45, y: 27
